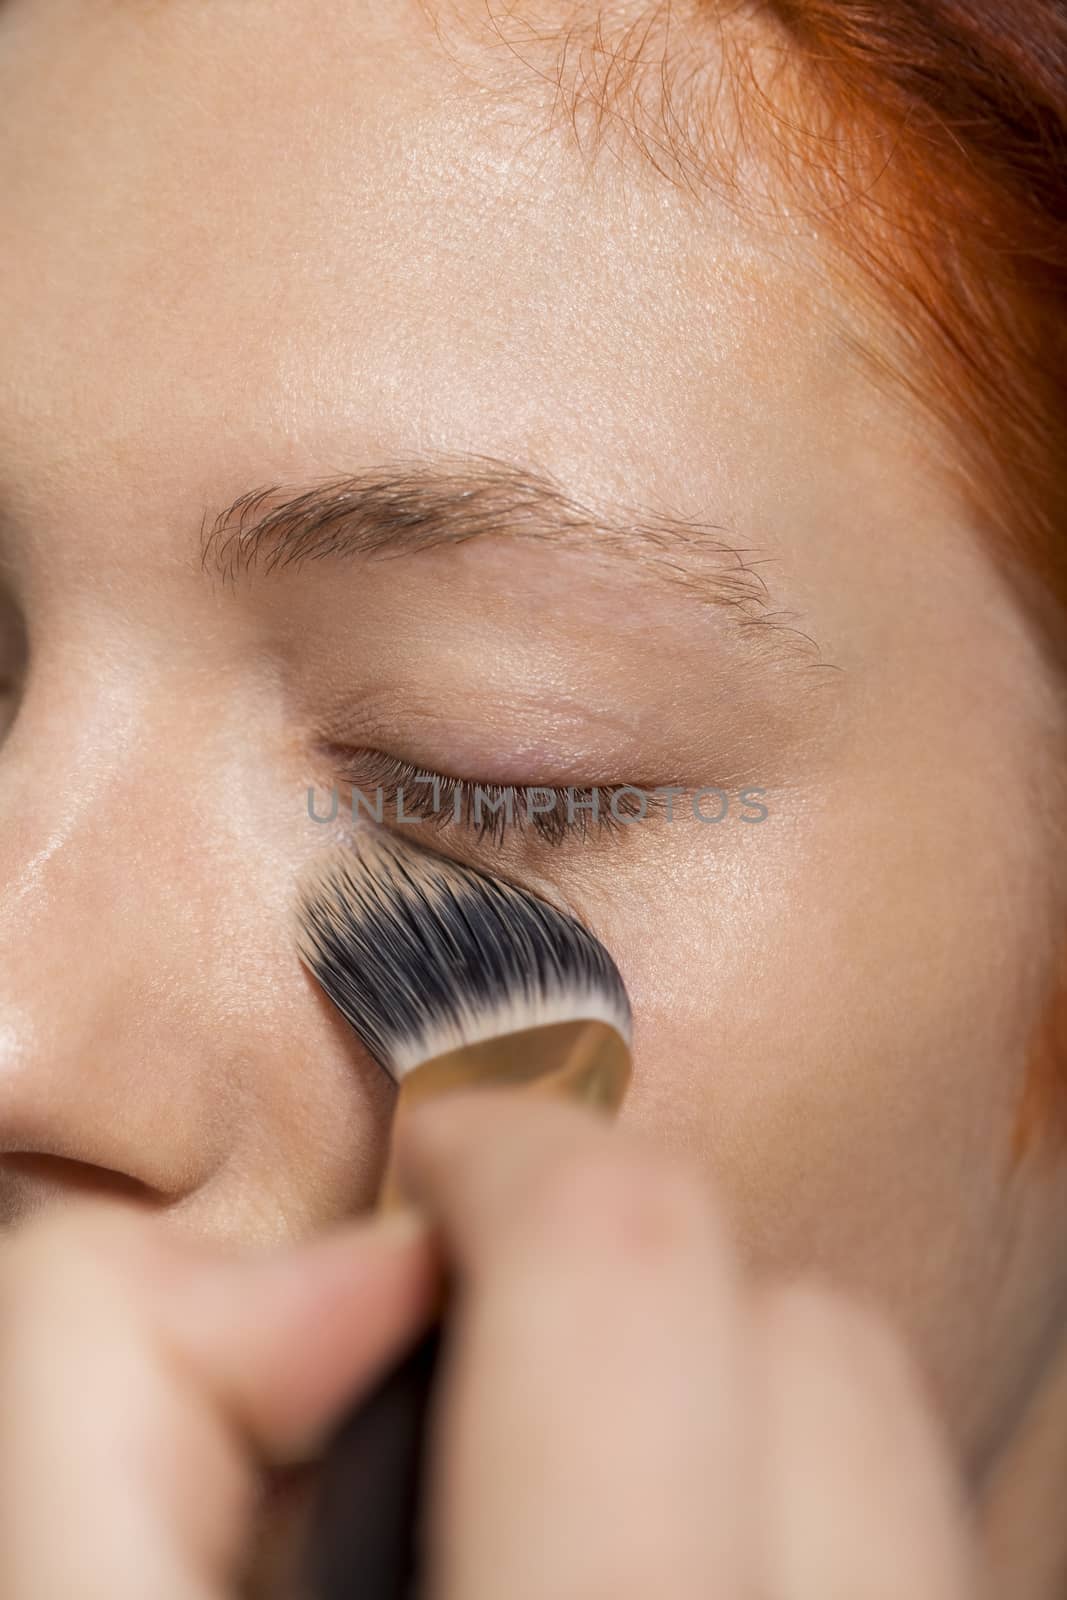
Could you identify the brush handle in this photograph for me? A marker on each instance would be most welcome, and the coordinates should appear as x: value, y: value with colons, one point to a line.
x: 364, y: 1538
x: 365, y: 1531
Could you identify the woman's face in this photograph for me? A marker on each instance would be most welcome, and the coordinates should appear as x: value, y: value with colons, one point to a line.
x: 241, y: 249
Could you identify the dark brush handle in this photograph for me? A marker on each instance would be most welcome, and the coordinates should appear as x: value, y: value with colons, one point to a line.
x: 363, y: 1541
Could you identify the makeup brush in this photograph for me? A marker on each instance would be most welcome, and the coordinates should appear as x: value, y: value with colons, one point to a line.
x: 450, y: 978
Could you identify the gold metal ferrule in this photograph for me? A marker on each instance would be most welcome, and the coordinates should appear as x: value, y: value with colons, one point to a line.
x: 588, y: 1061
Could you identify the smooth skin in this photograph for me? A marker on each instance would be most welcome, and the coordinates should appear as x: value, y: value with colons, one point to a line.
x: 238, y: 249
x: 773, y: 1442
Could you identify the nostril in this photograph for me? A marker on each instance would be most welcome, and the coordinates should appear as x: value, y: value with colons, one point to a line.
x: 29, y: 1179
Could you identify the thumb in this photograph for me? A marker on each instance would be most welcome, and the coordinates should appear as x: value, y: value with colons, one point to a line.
x: 146, y: 1377
x: 283, y: 1338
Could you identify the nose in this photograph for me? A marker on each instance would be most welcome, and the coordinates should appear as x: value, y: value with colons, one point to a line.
x: 157, y: 1034
x: 102, y: 925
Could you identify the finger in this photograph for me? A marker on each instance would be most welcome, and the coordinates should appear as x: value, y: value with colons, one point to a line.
x: 142, y: 1376
x: 588, y: 1421
x: 298, y: 1327
x: 860, y: 1498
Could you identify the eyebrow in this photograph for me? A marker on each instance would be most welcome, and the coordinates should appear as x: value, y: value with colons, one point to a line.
x: 426, y: 502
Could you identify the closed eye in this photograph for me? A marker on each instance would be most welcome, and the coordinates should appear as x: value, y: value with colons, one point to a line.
x: 388, y: 789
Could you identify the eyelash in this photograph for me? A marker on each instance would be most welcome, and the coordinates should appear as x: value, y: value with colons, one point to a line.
x: 443, y: 801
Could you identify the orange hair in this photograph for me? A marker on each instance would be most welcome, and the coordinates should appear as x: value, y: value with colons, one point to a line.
x: 962, y: 227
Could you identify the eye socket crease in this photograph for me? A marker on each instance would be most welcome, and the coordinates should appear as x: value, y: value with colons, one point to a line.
x: 425, y: 502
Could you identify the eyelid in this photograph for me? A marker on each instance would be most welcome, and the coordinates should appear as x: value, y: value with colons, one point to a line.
x: 480, y: 807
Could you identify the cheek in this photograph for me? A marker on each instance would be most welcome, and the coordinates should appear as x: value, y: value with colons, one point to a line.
x: 310, y: 1139
x: 832, y: 1012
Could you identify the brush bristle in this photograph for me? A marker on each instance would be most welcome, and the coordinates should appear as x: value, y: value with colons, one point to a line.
x: 423, y: 956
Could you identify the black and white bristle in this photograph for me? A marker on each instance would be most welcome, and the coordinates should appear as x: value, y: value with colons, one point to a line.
x: 423, y: 956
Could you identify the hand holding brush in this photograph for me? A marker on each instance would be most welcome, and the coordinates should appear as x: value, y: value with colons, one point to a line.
x: 621, y: 1410
x: 450, y: 979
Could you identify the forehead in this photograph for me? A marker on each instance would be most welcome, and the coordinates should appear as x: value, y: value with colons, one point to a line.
x: 231, y: 151
x: 236, y: 247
